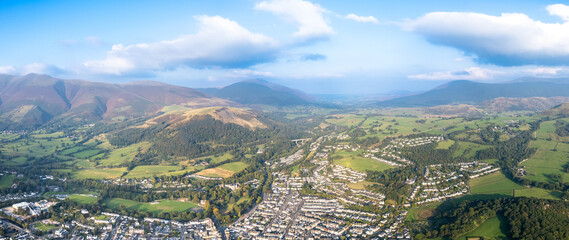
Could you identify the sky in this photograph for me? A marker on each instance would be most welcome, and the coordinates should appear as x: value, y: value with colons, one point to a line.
x: 318, y: 46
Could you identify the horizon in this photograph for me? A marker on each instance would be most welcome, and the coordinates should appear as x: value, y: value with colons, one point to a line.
x: 319, y: 47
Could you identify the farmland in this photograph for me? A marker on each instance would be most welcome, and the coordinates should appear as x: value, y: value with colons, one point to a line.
x: 153, y: 207
x: 6, y: 181
x: 358, y: 163
x: 82, y: 199
x: 492, y: 228
x: 224, y: 171
x: 146, y: 171
x: 493, y: 184
x: 99, y: 173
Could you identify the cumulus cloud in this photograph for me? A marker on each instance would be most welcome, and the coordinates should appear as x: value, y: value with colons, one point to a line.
x: 362, y: 19
x: 249, y: 72
x: 473, y: 73
x: 219, y: 42
x: 508, y: 40
x: 307, y: 16
x: 7, y: 70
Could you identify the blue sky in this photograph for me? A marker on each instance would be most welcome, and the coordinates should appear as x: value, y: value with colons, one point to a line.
x: 317, y: 46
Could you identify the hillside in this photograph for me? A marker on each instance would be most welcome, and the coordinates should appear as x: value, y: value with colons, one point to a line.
x: 260, y: 92
x: 468, y: 92
x: 516, y: 104
x: 33, y: 100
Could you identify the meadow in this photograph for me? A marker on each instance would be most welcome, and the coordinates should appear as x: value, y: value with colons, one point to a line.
x: 493, y: 184
x: 154, y: 207
x: 82, y: 199
x: 492, y: 228
x: 99, y: 173
x: 145, y: 171
x: 551, y: 154
x: 358, y: 163
x: 225, y: 170
x: 121, y: 155
x: 6, y: 181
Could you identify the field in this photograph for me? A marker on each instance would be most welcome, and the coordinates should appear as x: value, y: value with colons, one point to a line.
x: 6, y: 181
x: 539, y: 193
x: 346, y: 119
x: 423, y: 212
x: 546, y: 161
x: 155, y: 170
x: 44, y: 227
x: 360, y: 185
x: 217, y: 159
x: 154, y: 207
x: 445, y: 144
x: 468, y: 149
x: 125, y: 154
x: 99, y: 173
x: 357, y: 163
x: 492, y: 228
x: 493, y: 184
x: 225, y: 170
x: 552, y: 153
x: 82, y: 199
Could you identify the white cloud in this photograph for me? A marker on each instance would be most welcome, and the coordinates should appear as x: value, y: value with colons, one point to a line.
x: 368, y: 19
x: 306, y: 15
x: 473, y: 73
x: 220, y: 42
x: 559, y: 10
x: 508, y: 40
x: 546, y: 70
x: 7, y: 70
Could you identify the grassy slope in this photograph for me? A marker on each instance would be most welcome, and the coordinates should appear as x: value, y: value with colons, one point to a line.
x: 161, y: 206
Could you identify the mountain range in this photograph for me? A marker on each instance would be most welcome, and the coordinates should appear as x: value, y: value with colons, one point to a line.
x: 33, y: 100
x: 469, y: 92
x: 260, y: 92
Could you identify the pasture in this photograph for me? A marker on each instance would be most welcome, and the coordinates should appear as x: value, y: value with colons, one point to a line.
x: 357, y: 163
x: 153, y: 207
x: 82, y: 198
x: 492, y: 228
x: 493, y: 184
x: 225, y: 170
x: 125, y: 154
x: 99, y: 173
x: 146, y: 171
x: 6, y: 181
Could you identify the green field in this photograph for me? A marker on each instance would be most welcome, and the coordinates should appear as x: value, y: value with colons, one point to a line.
x: 346, y: 119
x: 86, y: 153
x: 445, y: 144
x: 155, y: 207
x: 357, y: 163
x: 146, y: 171
x: 44, y: 227
x: 125, y: 154
x: 539, y: 193
x: 546, y: 161
x: 99, y: 173
x: 82, y: 199
x: 6, y: 181
x: 234, y: 166
x: 217, y: 159
x: 225, y: 170
x: 492, y: 228
x: 493, y: 184
x: 468, y: 149
x: 422, y: 212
